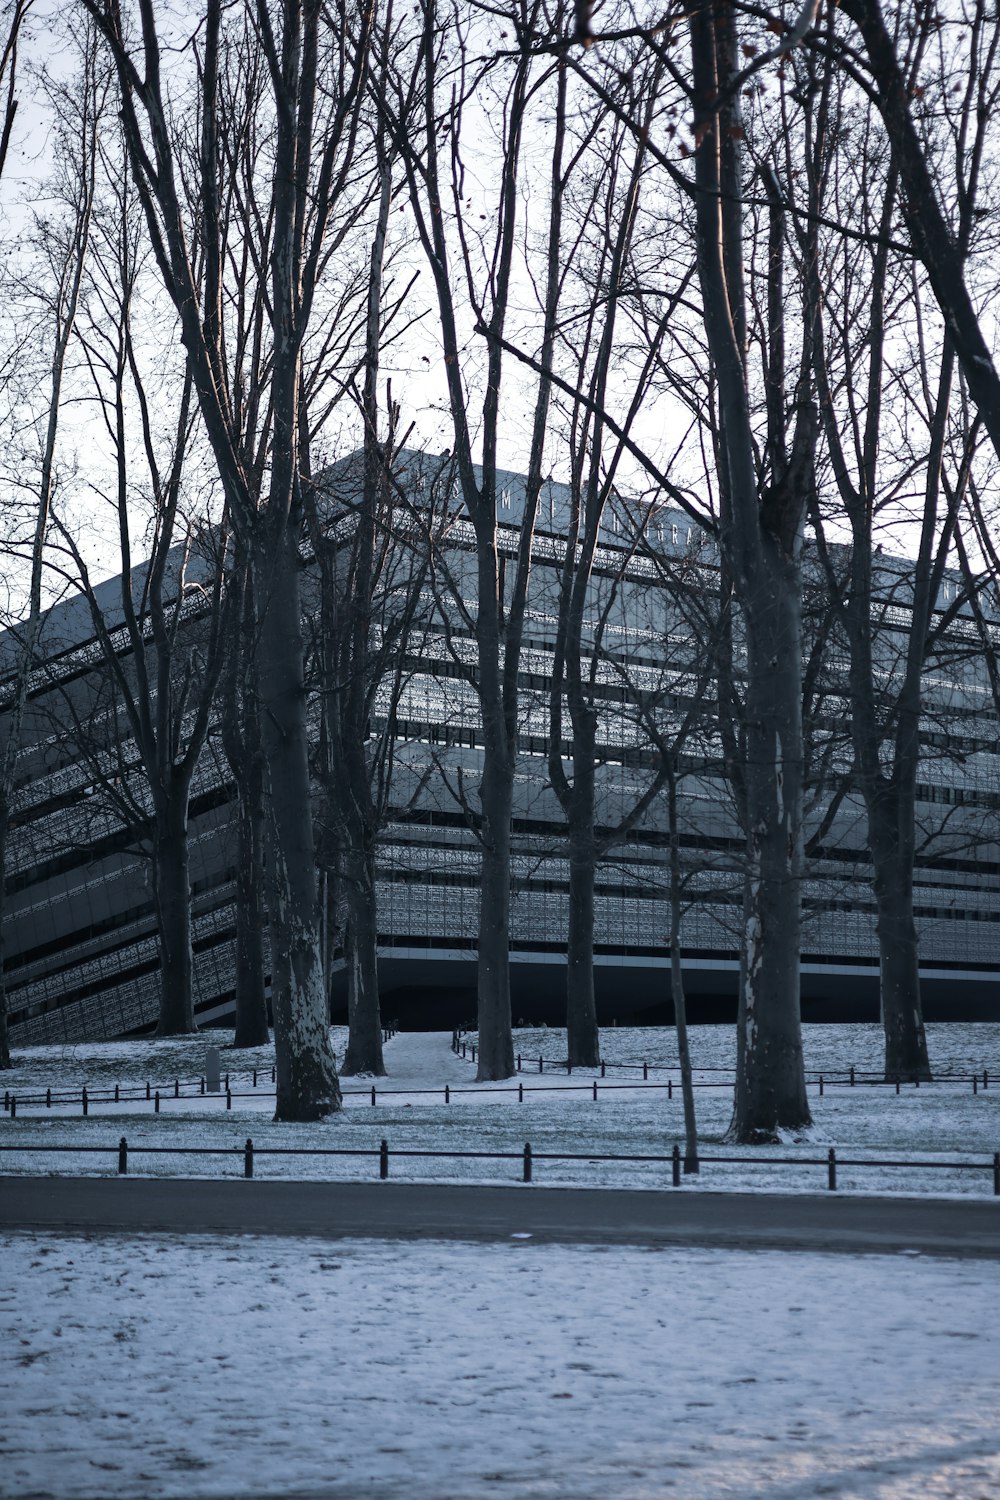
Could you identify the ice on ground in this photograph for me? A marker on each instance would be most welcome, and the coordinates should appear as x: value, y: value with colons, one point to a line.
x: 260, y: 1368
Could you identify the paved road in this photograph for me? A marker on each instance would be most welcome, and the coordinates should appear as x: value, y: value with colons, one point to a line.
x: 570, y: 1215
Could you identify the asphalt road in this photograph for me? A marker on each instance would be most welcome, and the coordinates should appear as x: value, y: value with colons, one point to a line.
x: 686, y: 1216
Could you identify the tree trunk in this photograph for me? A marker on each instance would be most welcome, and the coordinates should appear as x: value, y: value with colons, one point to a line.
x: 770, y: 1084
x: 677, y: 994
x: 364, y: 1047
x: 899, y: 974
x: 496, y: 1040
x: 582, y: 1038
x: 172, y: 890
x: 4, y: 1034
x: 760, y: 545
x: 251, y: 998
x: 307, y: 1087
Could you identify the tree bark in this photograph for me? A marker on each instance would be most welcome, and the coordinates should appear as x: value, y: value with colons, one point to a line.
x: 4, y: 1032
x: 496, y: 1040
x: 364, y: 1048
x: 251, y: 996
x: 899, y: 973
x: 582, y: 1037
x: 241, y: 743
x: 771, y: 1093
x: 307, y: 1087
x: 760, y: 544
x: 677, y: 995
x: 172, y: 889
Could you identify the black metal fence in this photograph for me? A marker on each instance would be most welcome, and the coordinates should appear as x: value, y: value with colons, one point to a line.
x: 186, y: 1089
x: 845, y: 1077
x: 527, y: 1157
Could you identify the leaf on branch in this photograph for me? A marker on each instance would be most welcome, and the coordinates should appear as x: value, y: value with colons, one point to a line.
x: 778, y: 27
x: 749, y: 50
x: 737, y: 133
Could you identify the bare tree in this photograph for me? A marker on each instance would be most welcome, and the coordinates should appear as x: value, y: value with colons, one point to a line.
x: 590, y: 337
x: 760, y: 536
x: 244, y: 261
x: 63, y: 246
x: 166, y: 677
x: 430, y: 140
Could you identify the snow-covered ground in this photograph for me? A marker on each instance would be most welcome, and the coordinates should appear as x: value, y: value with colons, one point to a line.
x: 943, y: 1122
x: 262, y: 1368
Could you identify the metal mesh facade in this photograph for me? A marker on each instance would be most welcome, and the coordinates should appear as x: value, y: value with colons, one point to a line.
x: 81, y: 941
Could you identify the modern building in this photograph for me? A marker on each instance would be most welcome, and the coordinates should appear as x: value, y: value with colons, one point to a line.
x: 80, y: 935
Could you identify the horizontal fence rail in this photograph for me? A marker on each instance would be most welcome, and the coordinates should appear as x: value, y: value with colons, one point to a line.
x: 831, y: 1162
x: 850, y: 1075
x: 175, y: 1088
x: 258, y: 1080
x: 186, y: 1089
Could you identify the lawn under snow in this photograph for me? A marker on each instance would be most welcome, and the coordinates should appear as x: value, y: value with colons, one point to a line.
x: 264, y: 1367
x: 943, y: 1122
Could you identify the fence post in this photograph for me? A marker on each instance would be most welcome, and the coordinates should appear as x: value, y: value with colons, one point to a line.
x: 84, y: 1100
x: 122, y: 1157
x: 675, y: 1164
x: 831, y: 1170
x: 527, y: 1161
x: 147, y: 1088
x: 48, y: 1098
x: 852, y: 1075
x: 116, y: 1093
x: 595, y: 1090
x: 203, y: 1085
x: 821, y: 1086
x: 255, y: 1077
x: 602, y: 1070
x: 248, y: 1158
x: 13, y: 1107
x: 670, y: 1088
x: 520, y: 1093
x: 541, y: 1065
x: 519, y: 1062
x: 273, y: 1075
x: 975, y: 1082
x: 447, y: 1095
x: 156, y: 1102
x: 645, y: 1072
x: 383, y: 1159
x: 996, y: 1174
x: 373, y: 1096
x: 463, y: 1049
x: 897, y: 1083
x: 229, y: 1098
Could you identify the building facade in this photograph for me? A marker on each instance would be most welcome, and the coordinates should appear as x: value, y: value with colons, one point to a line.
x: 80, y: 937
